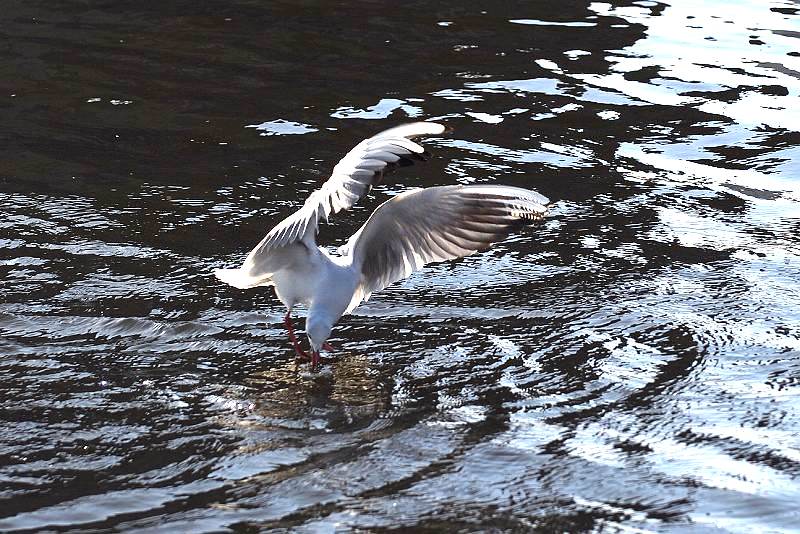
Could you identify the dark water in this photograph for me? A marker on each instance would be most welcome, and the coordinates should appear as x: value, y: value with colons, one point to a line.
x: 631, y: 364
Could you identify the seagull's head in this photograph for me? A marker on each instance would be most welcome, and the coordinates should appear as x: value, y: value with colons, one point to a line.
x: 318, y: 330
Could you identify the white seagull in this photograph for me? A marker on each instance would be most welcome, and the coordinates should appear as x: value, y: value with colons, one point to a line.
x: 403, y: 234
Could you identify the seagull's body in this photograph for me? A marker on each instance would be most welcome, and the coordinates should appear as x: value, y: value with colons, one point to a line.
x: 402, y: 235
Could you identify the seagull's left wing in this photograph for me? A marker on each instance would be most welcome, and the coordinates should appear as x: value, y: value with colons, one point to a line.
x: 436, y: 224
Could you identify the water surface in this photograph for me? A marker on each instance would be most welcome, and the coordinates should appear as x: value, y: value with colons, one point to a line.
x: 632, y: 363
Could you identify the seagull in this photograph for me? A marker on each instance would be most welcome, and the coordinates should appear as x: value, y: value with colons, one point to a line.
x: 403, y: 234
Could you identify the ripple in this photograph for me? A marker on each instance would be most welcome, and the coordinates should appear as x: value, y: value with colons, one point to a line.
x: 381, y: 110
x: 534, y: 22
x: 628, y: 364
x: 282, y: 127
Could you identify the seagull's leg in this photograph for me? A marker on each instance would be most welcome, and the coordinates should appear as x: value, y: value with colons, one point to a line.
x: 327, y: 346
x: 287, y: 321
x: 315, y: 360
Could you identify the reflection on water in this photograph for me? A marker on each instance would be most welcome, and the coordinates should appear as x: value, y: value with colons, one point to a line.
x: 632, y: 363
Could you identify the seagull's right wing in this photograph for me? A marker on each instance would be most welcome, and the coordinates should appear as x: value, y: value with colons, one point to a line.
x: 436, y: 224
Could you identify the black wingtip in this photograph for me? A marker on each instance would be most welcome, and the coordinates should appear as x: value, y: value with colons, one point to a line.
x: 404, y: 162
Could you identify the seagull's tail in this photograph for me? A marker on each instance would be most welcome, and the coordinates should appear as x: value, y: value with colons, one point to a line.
x: 239, y: 278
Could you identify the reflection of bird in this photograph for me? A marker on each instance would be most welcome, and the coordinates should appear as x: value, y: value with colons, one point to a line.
x: 402, y: 235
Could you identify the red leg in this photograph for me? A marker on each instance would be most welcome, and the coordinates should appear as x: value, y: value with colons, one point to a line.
x: 315, y: 360
x: 287, y: 321
x: 327, y: 346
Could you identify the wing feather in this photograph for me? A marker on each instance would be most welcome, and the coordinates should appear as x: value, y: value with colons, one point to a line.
x: 436, y: 224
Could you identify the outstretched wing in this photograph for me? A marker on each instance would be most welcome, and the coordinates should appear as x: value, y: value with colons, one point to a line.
x: 436, y: 224
x: 352, y: 178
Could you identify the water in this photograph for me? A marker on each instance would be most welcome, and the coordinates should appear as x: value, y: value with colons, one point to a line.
x: 630, y: 364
